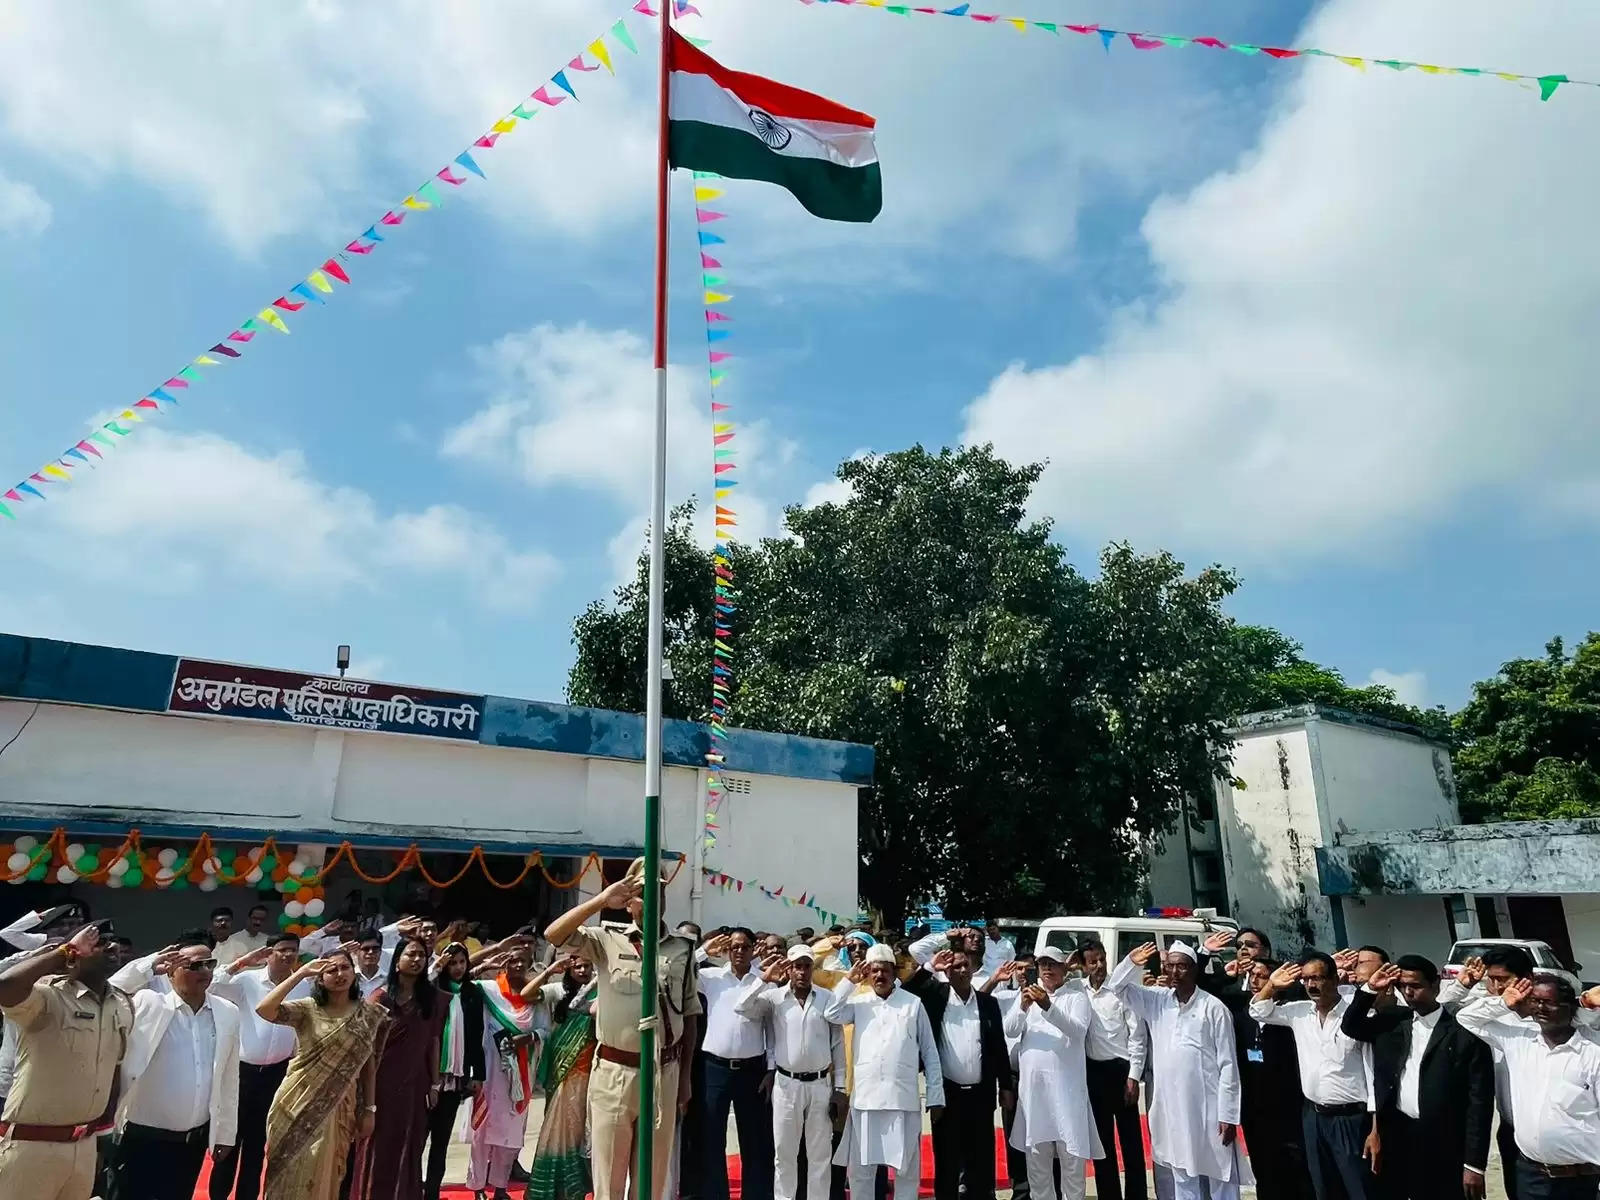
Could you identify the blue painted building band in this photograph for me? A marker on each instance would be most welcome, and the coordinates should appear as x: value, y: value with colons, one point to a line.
x: 136, y: 680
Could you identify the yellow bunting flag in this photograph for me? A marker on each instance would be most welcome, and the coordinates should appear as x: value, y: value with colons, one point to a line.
x: 1359, y: 64
x: 702, y: 194
x: 1022, y: 25
x: 413, y: 202
x: 504, y: 125
x: 56, y: 472
x: 598, y: 49
x: 1432, y: 70
x: 205, y: 360
x: 319, y: 281
x: 717, y: 298
x: 128, y: 414
x: 273, y: 319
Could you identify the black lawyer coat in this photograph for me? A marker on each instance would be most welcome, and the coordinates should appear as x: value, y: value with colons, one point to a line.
x: 935, y: 996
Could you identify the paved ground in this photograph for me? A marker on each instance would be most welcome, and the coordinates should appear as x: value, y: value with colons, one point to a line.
x: 457, y: 1171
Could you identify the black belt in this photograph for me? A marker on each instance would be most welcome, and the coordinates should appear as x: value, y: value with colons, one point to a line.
x: 1563, y: 1171
x: 250, y: 1066
x: 962, y: 1087
x: 179, y: 1137
x: 1356, y: 1108
x: 804, y: 1076
x: 739, y: 1064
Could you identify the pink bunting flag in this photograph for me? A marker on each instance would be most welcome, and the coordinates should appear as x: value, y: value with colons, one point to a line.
x: 644, y: 7
x: 713, y: 315
x: 358, y: 248
x: 288, y: 305
x: 542, y: 94
x: 1214, y: 43
x: 392, y: 218
x: 449, y: 178
x: 176, y: 382
x: 717, y: 356
x: 487, y: 141
x: 147, y: 403
x: 578, y: 64
x: 334, y: 269
x: 707, y: 261
x: 86, y: 444
x: 705, y: 216
x: 239, y: 335
x: 1145, y: 43
x: 987, y: 18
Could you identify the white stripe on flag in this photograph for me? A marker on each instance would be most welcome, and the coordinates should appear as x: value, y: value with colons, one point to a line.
x: 700, y: 98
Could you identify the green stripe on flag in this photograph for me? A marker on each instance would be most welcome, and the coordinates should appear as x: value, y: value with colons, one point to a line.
x: 825, y: 189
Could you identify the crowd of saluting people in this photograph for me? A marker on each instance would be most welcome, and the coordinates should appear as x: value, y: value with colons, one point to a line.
x: 344, y: 1065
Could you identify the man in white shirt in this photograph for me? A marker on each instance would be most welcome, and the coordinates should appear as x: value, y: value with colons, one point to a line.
x: 892, y: 1036
x: 252, y: 937
x: 997, y: 950
x: 264, y: 1052
x: 735, y: 1052
x: 1116, y: 1058
x: 180, y: 1080
x: 1553, y: 1070
x: 807, y: 1070
x: 1335, y: 1077
x: 33, y: 929
x: 1053, y: 1123
x: 1194, y: 1092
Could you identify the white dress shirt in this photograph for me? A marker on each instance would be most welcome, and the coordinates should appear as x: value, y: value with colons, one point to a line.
x: 892, y: 1038
x: 1411, y: 1076
x: 961, y: 1041
x: 19, y: 932
x: 1334, y: 1069
x: 261, y: 1043
x: 996, y: 954
x: 175, y: 1089
x: 238, y: 945
x: 1555, y: 1090
x: 729, y: 1034
x: 1117, y: 1031
x: 801, y: 1040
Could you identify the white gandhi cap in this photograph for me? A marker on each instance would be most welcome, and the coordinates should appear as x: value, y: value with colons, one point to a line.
x: 800, y: 954
x: 880, y: 954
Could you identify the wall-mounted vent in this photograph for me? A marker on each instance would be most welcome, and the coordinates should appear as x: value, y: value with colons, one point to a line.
x: 736, y: 785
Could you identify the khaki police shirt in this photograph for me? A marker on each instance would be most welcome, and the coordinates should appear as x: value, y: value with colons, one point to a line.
x: 618, y: 974
x: 68, y: 1046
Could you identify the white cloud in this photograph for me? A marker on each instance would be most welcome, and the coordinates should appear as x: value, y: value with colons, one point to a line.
x: 832, y: 490
x: 310, y: 116
x: 1380, y: 314
x: 1410, y: 687
x: 572, y: 408
x: 176, y: 510
x: 23, y: 211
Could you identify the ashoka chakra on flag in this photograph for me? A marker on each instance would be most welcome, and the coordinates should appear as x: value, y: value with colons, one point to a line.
x: 747, y: 127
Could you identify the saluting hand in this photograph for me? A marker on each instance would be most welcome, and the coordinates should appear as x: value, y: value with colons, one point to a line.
x: 1217, y: 942
x: 775, y: 970
x: 1472, y: 971
x: 942, y: 961
x: 1141, y: 955
x: 1384, y: 978
x: 1516, y: 992
x: 1285, y: 976
x: 256, y: 958
x: 166, y: 961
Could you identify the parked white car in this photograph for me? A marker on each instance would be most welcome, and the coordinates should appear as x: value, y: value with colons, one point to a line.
x: 1119, y: 935
x: 1544, y: 958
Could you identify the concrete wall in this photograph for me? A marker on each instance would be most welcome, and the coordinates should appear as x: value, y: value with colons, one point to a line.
x: 1400, y: 924
x: 1270, y: 826
x: 1528, y: 858
x: 1374, y: 778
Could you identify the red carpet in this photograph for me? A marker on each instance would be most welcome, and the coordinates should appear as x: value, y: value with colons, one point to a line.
x: 1002, y: 1180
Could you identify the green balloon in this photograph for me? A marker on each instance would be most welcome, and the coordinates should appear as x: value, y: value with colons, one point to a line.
x: 226, y: 855
x: 87, y: 864
x: 283, y: 920
x: 181, y: 882
x: 39, y: 872
x: 133, y: 877
x: 92, y: 848
x: 268, y: 863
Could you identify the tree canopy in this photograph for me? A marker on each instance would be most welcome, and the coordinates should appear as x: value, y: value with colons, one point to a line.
x: 1032, y: 724
x: 1529, y: 739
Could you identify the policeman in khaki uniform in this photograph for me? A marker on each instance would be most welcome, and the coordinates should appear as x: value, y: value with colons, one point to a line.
x: 72, y: 1027
x: 614, y: 1082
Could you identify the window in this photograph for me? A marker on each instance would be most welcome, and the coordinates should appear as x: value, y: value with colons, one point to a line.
x: 1129, y: 940
x: 1208, y: 869
x: 1205, y: 805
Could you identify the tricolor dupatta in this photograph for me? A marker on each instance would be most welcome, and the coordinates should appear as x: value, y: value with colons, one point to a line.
x: 513, y: 1017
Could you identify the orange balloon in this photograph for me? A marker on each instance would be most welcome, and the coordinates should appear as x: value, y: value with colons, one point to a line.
x: 280, y: 873
x: 304, y: 894
x: 197, y: 875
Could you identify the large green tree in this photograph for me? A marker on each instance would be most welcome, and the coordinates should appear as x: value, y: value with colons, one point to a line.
x: 1032, y: 725
x: 1529, y: 739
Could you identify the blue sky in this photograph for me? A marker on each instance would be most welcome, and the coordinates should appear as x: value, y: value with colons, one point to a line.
x: 1326, y: 327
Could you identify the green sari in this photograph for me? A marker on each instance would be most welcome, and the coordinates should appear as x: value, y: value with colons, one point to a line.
x: 561, y: 1162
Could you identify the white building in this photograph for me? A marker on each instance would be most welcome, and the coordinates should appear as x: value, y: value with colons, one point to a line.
x: 100, y: 740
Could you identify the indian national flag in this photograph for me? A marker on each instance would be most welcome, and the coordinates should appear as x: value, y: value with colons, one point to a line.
x: 746, y: 127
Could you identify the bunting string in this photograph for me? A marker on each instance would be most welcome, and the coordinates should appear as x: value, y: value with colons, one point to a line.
x: 721, y: 879
x: 315, y: 288
x: 1547, y: 84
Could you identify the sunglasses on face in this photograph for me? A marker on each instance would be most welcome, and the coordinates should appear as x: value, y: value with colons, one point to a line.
x: 202, y: 964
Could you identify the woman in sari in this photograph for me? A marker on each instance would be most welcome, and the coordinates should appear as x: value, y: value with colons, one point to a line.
x: 511, y: 1025
x: 328, y: 1096
x: 561, y: 1162
x: 389, y: 1164
x: 461, y: 1060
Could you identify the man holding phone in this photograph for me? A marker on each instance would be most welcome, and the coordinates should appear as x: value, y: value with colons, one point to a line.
x: 73, y: 1029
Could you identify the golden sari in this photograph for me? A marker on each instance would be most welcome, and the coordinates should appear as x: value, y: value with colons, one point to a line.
x: 313, y: 1117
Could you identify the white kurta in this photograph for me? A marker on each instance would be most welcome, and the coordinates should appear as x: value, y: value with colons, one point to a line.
x: 504, y: 1125
x: 1052, y: 1093
x: 892, y: 1037
x: 1196, y: 1083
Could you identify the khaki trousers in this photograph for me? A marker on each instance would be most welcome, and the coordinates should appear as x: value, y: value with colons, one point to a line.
x: 47, y: 1170
x: 613, y: 1110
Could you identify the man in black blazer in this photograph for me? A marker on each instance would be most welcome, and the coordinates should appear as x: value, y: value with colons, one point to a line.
x: 967, y: 1028
x: 1434, y: 1085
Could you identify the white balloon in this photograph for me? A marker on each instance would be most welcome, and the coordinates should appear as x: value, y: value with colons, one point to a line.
x: 298, y: 868
x: 167, y: 857
x: 67, y: 875
x: 314, y: 907
x: 16, y: 879
x: 295, y: 909
x: 208, y: 884
x: 254, y: 876
x: 211, y: 866
x: 26, y: 843
x: 118, y: 868
x: 18, y: 862
x: 164, y: 875
x: 75, y: 851
x: 114, y: 881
